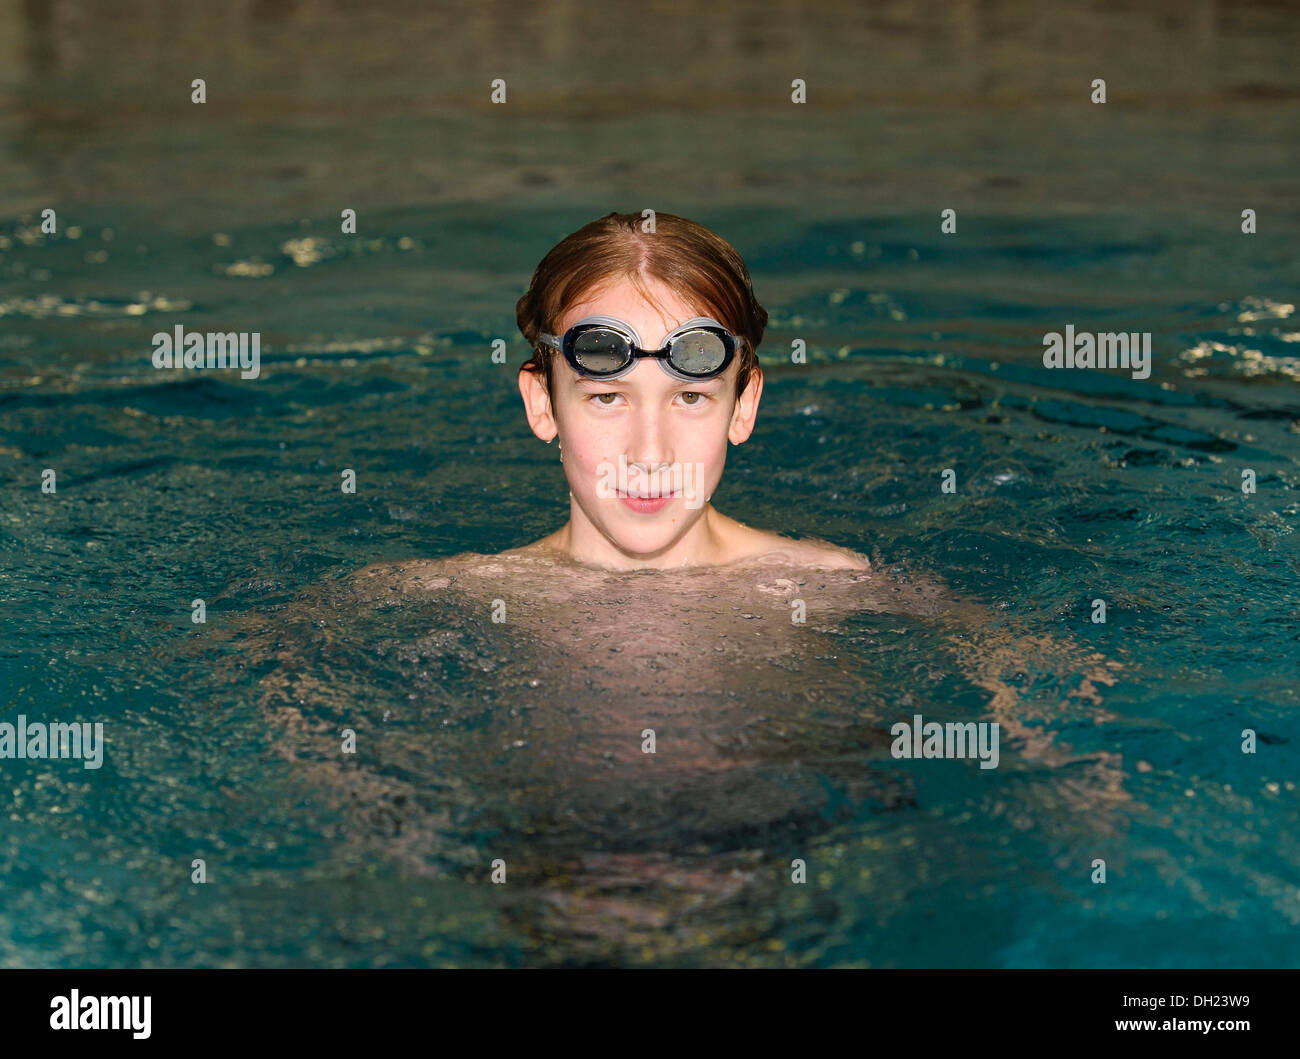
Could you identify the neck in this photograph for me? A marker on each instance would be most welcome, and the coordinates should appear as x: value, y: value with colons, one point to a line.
x: 704, y: 544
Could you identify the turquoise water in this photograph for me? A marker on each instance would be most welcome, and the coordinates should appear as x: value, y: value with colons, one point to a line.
x: 520, y: 741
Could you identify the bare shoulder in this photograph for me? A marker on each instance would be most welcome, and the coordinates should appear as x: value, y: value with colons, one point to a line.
x: 809, y: 552
x: 539, y: 549
x: 826, y: 556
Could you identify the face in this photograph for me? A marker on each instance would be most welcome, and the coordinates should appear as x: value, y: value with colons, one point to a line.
x: 644, y: 434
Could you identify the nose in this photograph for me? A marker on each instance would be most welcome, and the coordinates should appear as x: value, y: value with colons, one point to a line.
x: 648, y: 446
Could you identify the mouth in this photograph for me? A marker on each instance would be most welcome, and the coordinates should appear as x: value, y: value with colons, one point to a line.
x: 646, y: 505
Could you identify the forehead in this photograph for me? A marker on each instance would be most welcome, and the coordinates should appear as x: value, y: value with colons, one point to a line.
x: 623, y: 300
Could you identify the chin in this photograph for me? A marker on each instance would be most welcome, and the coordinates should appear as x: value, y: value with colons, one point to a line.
x: 643, y: 545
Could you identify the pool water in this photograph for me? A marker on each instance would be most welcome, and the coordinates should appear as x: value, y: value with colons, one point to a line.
x: 520, y: 741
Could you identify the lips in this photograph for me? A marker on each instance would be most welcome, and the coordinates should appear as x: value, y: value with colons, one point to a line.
x: 646, y: 505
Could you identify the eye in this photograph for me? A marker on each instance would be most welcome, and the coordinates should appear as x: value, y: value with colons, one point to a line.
x: 596, y: 398
x: 703, y: 397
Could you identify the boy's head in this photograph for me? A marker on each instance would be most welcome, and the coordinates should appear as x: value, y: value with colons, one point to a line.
x: 646, y: 432
x: 699, y: 266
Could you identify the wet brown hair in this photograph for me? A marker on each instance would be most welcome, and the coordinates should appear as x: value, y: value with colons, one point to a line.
x: 699, y: 266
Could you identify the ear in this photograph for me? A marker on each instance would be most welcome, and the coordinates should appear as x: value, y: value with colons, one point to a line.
x: 537, y: 405
x: 746, y: 410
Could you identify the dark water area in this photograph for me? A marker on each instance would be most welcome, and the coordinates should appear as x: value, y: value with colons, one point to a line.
x: 521, y: 740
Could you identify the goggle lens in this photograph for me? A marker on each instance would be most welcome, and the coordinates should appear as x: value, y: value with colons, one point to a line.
x: 602, y: 351
x: 698, y: 352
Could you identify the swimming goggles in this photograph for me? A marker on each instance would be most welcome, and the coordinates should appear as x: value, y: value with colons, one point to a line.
x: 605, y: 347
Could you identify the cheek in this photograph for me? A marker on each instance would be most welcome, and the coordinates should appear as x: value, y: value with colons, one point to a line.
x: 712, y: 445
x: 596, y: 447
x: 594, y: 459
